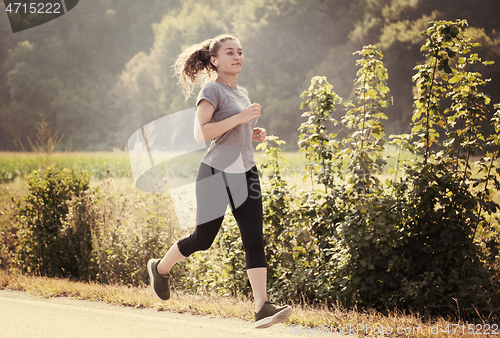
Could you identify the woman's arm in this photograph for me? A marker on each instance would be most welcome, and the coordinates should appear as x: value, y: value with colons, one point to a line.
x: 205, y: 130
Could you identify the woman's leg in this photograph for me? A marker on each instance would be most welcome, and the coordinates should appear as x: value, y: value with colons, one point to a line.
x: 172, y: 256
x: 211, y: 207
x: 249, y: 218
x: 258, y: 281
x: 210, y: 213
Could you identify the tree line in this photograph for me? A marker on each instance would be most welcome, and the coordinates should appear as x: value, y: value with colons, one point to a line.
x: 103, y: 70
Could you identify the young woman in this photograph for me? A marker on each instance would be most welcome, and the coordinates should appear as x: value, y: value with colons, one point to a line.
x: 227, y: 174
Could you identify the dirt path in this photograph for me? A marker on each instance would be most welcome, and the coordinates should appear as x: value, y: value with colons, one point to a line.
x: 25, y: 315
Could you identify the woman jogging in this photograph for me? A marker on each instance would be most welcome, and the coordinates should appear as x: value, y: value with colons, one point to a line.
x: 227, y: 174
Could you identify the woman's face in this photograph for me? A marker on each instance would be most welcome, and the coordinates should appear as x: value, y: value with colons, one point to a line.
x: 230, y: 57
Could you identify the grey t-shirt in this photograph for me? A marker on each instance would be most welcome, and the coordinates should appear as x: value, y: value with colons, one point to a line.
x: 233, y: 151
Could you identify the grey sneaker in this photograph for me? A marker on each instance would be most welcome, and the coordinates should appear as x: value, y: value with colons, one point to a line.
x: 159, y: 283
x: 271, y: 314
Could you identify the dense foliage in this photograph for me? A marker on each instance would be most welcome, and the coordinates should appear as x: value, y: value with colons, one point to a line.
x: 48, y: 246
x: 104, y: 70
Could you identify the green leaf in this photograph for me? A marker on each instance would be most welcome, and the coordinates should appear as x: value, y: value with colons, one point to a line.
x: 454, y: 79
x: 372, y: 93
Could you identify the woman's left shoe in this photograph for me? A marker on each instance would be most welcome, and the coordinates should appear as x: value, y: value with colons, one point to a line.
x: 271, y: 314
x: 159, y: 283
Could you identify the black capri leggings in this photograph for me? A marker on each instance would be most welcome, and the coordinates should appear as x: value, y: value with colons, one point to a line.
x: 216, y: 190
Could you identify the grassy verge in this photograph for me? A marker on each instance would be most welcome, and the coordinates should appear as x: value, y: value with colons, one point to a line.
x: 120, y: 295
x: 304, y: 319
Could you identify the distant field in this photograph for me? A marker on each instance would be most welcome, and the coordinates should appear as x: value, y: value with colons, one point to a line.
x: 116, y: 165
x: 15, y: 165
x: 99, y: 164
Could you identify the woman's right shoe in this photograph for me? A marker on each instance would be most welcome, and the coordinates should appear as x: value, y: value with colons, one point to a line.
x: 159, y: 283
x: 271, y: 314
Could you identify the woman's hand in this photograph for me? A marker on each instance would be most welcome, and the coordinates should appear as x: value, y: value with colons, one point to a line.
x: 259, y: 135
x: 249, y: 113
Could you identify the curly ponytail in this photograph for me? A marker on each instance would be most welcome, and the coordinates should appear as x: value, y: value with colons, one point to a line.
x: 193, y: 65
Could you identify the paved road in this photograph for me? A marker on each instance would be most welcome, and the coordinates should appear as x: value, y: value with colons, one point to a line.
x: 25, y: 315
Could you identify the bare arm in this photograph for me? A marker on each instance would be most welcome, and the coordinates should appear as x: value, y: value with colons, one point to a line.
x: 205, y: 130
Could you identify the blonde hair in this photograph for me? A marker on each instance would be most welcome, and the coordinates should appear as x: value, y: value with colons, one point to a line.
x: 193, y: 65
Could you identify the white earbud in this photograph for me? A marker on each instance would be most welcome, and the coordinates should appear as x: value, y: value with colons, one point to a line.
x: 217, y: 63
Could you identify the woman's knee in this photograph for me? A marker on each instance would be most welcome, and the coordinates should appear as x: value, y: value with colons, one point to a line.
x: 204, y: 245
x: 197, y: 241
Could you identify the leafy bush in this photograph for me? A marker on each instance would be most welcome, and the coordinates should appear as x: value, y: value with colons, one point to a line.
x: 447, y: 201
x: 67, y: 229
x: 354, y: 221
x: 46, y: 249
x: 9, y: 227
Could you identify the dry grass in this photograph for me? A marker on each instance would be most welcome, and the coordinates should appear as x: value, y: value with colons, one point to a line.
x: 121, y: 295
x: 304, y: 318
